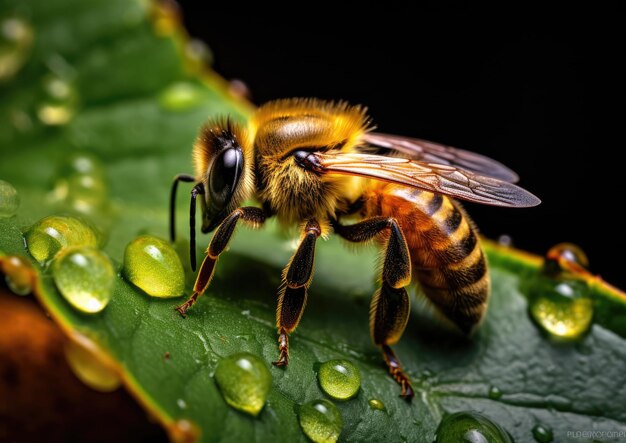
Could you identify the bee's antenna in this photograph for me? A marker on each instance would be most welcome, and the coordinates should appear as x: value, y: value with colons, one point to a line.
x: 198, y: 189
x: 179, y: 178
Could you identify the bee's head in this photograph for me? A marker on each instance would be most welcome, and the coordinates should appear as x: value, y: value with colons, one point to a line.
x: 225, y: 168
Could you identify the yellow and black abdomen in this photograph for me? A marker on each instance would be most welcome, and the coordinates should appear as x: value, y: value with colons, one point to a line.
x: 446, y: 257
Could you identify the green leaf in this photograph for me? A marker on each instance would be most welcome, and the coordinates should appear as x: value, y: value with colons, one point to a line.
x: 123, y: 65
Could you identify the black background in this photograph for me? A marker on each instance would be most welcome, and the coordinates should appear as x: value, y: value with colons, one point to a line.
x: 539, y: 90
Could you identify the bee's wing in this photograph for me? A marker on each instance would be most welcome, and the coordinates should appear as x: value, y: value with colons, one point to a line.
x: 423, y: 150
x: 443, y: 179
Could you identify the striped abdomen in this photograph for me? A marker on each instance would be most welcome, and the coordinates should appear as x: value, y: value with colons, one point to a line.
x: 446, y: 256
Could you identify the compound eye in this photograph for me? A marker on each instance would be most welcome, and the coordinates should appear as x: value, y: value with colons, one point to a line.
x: 224, y: 175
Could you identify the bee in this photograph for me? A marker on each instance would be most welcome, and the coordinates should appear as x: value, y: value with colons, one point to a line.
x: 317, y: 164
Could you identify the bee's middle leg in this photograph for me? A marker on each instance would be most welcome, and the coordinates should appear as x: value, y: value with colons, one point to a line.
x: 224, y: 232
x: 297, y: 278
x: 390, y: 307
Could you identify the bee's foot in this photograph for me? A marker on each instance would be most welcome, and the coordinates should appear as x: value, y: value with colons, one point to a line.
x: 182, y: 309
x: 283, y: 347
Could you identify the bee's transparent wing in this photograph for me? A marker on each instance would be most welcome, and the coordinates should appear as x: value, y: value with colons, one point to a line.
x: 443, y: 179
x: 429, y: 152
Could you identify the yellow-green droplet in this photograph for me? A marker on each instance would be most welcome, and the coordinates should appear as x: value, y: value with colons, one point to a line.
x: 376, y: 404
x: 9, y: 200
x: 89, y: 366
x: 564, y: 308
x: 16, y: 39
x: 198, y: 55
x: 470, y: 427
x: 542, y: 434
x: 18, y: 274
x: 81, y: 184
x: 180, y: 96
x: 84, y: 276
x: 152, y: 265
x: 245, y: 381
x: 340, y: 379
x: 494, y: 393
x: 321, y: 421
x: 50, y: 234
x: 59, y: 102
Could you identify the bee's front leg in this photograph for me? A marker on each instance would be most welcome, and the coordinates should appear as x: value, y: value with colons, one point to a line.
x: 224, y: 232
x: 297, y: 278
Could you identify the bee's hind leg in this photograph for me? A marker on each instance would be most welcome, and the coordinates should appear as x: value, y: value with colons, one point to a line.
x: 297, y: 278
x: 390, y: 307
x: 220, y: 240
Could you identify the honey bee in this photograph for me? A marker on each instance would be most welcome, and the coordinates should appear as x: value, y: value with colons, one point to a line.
x: 314, y: 164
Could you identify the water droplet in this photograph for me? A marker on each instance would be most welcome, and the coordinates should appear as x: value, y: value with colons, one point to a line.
x: 198, y: 54
x: 245, y: 381
x: 470, y: 427
x: 82, y: 184
x: 340, y: 379
x: 84, y: 276
x: 321, y: 421
x: 505, y: 240
x: 152, y: 265
x: 542, y: 434
x: 182, y: 404
x: 50, y: 234
x: 566, y: 258
x: 59, y: 102
x: 88, y: 364
x: 238, y: 89
x: 377, y: 404
x: 180, y: 96
x: 16, y: 39
x: 564, y: 308
x: 494, y: 393
x: 18, y: 274
x: 9, y: 200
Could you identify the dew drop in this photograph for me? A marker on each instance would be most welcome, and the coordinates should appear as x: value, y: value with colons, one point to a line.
x: 376, y: 404
x: 86, y: 363
x: 16, y: 39
x: 50, y: 234
x: 470, y: 427
x: 340, y: 379
x: 152, y: 265
x: 182, y: 404
x: 562, y: 308
x: 17, y: 274
x: 180, y: 96
x: 245, y: 381
x: 565, y: 258
x: 494, y: 393
x: 81, y: 184
x: 84, y: 276
x: 321, y: 421
x: 198, y: 54
x: 542, y: 434
x: 9, y: 200
x: 59, y: 102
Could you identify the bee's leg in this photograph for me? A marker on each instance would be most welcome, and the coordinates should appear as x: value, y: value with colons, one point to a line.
x: 179, y: 178
x: 297, y: 278
x: 220, y: 240
x: 390, y: 307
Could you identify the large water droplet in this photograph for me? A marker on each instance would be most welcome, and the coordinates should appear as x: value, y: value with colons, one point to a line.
x: 245, y: 381
x: 340, y: 379
x: 470, y: 427
x: 152, y: 265
x: 84, y: 276
x: 566, y: 258
x: 50, y: 234
x: 321, y: 421
x: 542, y: 434
x: 16, y: 39
x: 9, y: 200
x: 564, y: 308
x: 89, y: 366
x: 180, y: 96
x: 376, y: 404
x: 59, y: 102
x: 81, y: 184
x: 18, y: 274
